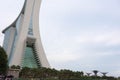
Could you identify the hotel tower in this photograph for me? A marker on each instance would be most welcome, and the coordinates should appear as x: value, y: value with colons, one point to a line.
x: 22, y: 41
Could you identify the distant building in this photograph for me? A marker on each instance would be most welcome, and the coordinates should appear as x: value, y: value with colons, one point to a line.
x: 22, y: 41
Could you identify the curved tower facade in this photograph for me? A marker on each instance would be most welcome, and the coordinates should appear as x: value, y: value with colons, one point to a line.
x: 22, y: 41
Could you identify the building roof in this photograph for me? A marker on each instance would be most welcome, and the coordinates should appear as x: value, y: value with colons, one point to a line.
x: 14, y: 23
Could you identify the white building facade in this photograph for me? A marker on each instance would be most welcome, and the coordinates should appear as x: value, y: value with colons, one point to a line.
x: 22, y: 41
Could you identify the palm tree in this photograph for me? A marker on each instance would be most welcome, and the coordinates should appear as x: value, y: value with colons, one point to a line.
x: 95, y: 72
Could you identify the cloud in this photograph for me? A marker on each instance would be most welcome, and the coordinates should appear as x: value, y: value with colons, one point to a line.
x: 81, y: 7
x: 116, y: 73
x: 63, y: 57
x: 108, y: 37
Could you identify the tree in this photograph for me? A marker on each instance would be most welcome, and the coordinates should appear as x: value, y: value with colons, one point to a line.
x: 88, y: 74
x: 3, y: 61
x: 95, y: 72
x: 15, y: 67
x: 25, y: 72
x: 104, y: 73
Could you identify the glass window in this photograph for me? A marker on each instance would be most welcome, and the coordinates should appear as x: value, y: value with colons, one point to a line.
x: 30, y: 59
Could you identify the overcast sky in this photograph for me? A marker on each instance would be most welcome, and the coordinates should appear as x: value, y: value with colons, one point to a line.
x: 76, y: 34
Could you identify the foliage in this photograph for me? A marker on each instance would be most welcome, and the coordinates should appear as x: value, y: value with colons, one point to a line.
x: 15, y: 67
x: 37, y: 72
x: 53, y: 74
x: 3, y: 61
x: 47, y: 73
